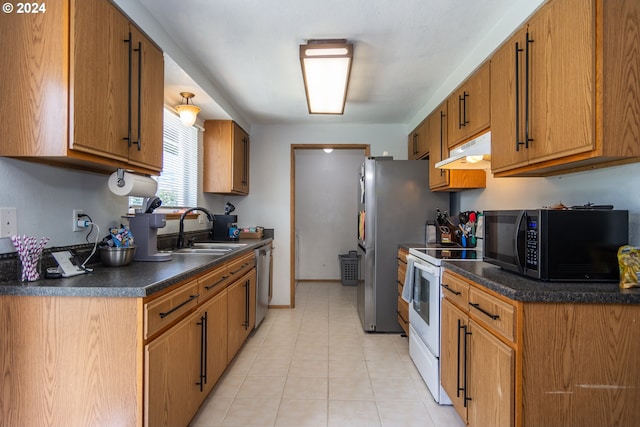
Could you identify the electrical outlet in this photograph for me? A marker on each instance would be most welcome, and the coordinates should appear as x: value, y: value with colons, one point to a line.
x: 8, y: 222
x: 76, y: 215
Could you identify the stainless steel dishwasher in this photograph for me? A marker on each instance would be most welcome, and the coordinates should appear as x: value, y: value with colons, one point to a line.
x: 263, y: 273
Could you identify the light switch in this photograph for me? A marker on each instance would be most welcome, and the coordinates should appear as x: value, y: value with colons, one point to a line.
x: 8, y: 222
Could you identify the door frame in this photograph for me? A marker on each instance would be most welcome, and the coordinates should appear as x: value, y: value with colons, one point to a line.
x: 292, y: 206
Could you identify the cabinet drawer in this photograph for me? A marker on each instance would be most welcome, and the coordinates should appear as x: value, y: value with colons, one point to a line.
x: 455, y: 289
x: 403, y: 314
x: 240, y: 266
x: 212, y: 282
x: 402, y: 256
x: 402, y: 273
x: 495, y: 313
x: 163, y: 311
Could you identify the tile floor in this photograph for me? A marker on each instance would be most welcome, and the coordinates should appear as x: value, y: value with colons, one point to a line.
x: 315, y: 366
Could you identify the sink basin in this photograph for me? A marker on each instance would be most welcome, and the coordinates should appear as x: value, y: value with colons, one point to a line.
x: 202, y: 251
x: 218, y: 245
x: 210, y: 248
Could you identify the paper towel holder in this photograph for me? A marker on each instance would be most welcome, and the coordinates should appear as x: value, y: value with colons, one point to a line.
x: 120, y: 176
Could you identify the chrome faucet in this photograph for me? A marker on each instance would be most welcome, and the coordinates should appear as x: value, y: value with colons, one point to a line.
x: 180, y: 242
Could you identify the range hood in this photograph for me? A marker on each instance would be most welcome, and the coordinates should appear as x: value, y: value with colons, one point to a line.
x: 475, y: 154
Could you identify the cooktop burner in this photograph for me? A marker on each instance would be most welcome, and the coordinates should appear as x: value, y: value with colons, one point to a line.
x: 436, y: 255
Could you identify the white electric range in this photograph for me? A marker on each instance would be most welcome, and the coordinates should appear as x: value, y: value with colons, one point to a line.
x: 424, y: 272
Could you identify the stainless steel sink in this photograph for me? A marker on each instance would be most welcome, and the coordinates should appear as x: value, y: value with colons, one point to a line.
x: 202, y: 251
x: 218, y: 245
x: 210, y: 248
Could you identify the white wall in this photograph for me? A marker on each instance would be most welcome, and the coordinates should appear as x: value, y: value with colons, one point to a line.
x: 618, y: 186
x: 326, y: 201
x: 268, y: 203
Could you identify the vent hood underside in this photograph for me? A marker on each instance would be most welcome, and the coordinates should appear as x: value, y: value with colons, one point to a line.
x: 475, y: 154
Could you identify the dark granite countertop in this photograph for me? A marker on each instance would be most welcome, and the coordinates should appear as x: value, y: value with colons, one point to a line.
x: 138, y: 279
x: 521, y: 288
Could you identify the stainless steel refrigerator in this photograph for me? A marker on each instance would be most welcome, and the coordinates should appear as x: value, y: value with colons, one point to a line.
x: 394, y: 204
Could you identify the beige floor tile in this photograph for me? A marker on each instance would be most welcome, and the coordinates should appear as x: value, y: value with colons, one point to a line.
x: 405, y: 414
x: 347, y: 368
x: 353, y: 413
x: 276, y: 351
x: 252, y: 412
x: 302, y: 413
x: 385, y: 389
x: 228, y: 386
x: 263, y: 367
x: 387, y: 368
x: 350, y: 389
x: 306, y: 388
x: 311, y: 352
x: 212, y: 412
x: 309, y: 368
x: 262, y: 387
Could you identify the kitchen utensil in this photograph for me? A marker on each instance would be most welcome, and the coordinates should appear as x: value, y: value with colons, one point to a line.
x: 116, y: 256
x: 152, y: 204
x: 228, y: 208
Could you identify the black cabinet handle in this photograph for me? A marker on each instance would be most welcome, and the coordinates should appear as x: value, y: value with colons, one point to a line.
x: 216, y: 283
x: 246, y: 304
x: 517, y: 83
x: 465, y: 95
x: 465, y: 386
x: 483, y: 311
x: 442, y: 116
x: 458, y: 388
x: 139, y: 50
x: 527, y: 138
x: 191, y: 298
x: 460, y: 123
x: 453, y: 291
x: 128, y: 137
x: 203, y: 326
x: 240, y: 269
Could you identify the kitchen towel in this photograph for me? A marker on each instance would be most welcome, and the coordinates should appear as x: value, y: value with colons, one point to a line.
x: 407, y: 289
x: 134, y: 185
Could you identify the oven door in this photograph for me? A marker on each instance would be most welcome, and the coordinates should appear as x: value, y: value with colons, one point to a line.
x: 424, y: 311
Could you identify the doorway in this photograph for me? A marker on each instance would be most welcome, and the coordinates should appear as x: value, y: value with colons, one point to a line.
x: 323, y: 209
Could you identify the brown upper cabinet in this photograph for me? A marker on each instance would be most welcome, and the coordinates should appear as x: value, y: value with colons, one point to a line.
x: 576, y: 104
x: 441, y: 179
x: 83, y: 86
x: 226, y: 158
x: 418, y: 146
x: 469, y: 107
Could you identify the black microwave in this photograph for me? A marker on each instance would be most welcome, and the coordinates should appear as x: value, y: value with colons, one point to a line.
x: 556, y: 245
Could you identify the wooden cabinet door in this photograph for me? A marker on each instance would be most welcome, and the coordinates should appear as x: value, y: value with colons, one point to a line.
x: 216, y: 341
x: 147, y: 99
x: 452, y: 364
x: 562, y: 80
x: 172, y: 371
x: 241, y: 312
x: 491, y: 367
x: 99, y: 79
x: 469, y: 107
x: 438, y: 147
x: 240, y: 162
x: 505, y: 151
x: 556, y: 94
x: 418, y: 143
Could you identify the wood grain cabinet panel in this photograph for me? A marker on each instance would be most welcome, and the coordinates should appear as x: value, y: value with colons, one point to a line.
x: 226, y: 158
x: 418, y: 146
x: 96, y: 82
x: 575, y: 106
x: 469, y: 107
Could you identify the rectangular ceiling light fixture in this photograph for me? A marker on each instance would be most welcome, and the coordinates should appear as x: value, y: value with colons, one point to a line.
x: 326, y: 65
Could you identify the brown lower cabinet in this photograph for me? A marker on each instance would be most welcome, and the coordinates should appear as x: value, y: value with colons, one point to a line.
x: 511, y: 363
x: 103, y: 361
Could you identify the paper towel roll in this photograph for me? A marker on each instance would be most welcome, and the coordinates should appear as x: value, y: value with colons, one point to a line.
x: 134, y: 185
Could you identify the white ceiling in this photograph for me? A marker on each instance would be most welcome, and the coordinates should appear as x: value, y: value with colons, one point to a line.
x: 248, y: 50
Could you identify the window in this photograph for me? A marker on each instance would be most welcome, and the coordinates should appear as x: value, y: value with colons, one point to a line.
x: 178, y: 184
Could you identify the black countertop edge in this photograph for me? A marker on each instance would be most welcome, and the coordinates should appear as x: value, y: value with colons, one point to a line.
x: 137, y: 280
x: 520, y: 288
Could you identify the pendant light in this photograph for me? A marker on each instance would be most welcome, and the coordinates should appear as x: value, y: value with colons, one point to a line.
x: 188, y: 112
